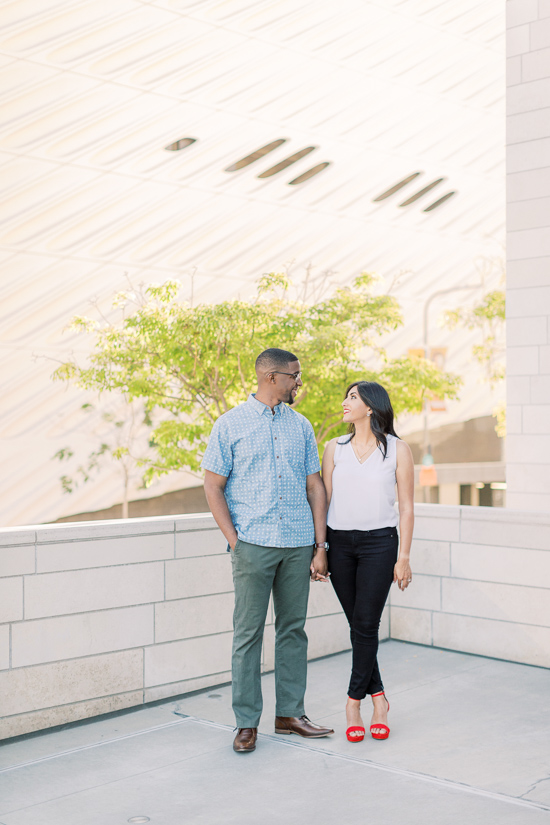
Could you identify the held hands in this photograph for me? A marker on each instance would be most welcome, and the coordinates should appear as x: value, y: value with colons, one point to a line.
x: 402, y: 573
x: 319, y: 566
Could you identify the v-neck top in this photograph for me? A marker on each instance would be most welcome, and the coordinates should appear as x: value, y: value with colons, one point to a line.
x: 363, y: 495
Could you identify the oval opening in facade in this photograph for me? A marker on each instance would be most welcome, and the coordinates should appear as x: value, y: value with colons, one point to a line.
x: 396, y: 188
x: 419, y: 194
x: 439, y: 202
x: 287, y: 162
x: 309, y: 174
x: 180, y: 144
x: 259, y: 153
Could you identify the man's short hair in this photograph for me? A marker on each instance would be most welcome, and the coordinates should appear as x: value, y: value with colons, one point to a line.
x: 274, y: 359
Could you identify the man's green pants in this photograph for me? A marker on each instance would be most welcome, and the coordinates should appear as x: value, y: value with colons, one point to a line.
x: 258, y: 571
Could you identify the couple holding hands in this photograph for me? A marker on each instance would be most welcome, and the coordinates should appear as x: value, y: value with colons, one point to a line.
x: 266, y: 494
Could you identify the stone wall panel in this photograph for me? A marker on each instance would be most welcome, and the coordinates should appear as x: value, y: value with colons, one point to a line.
x: 507, y: 565
x: 15, y: 561
x: 486, y: 637
x: 28, y: 689
x: 74, y: 555
x: 187, y: 659
x: 424, y: 592
x: 11, y: 599
x: 409, y: 625
x: 4, y: 646
x: 200, y: 543
x: 199, y: 576
x: 187, y: 618
x: 22, y: 723
x: 80, y: 591
x: 83, y: 634
x: 488, y: 600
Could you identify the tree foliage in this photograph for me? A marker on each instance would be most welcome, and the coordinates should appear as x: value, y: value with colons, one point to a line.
x: 488, y: 317
x: 189, y: 365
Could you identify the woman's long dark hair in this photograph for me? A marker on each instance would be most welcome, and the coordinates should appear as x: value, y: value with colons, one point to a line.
x: 381, y: 421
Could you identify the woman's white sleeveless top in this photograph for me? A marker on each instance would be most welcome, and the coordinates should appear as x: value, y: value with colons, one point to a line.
x: 363, y: 495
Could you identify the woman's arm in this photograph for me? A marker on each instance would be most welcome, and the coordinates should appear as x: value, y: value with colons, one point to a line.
x: 319, y: 563
x: 405, y: 493
x: 328, y: 467
x: 318, y: 502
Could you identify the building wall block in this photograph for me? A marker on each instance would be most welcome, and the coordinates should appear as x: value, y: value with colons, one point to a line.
x: 528, y: 249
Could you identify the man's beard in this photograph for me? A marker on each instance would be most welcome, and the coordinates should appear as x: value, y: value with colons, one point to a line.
x: 291, y: 399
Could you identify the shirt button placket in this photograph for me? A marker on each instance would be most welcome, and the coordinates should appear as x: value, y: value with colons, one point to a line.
x: 278, y: 481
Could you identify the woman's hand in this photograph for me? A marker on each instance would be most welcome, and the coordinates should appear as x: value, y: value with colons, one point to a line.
x: 402, y: 573
x: 319, y: 566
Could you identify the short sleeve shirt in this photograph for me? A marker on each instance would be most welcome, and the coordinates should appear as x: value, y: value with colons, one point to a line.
x: 266, y: 458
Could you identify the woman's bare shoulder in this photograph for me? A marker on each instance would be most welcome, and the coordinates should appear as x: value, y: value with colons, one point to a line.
x: 403, y: 448
x: 331, y: 445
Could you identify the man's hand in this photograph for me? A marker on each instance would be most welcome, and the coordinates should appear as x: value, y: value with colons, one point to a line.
x: 319, y: 566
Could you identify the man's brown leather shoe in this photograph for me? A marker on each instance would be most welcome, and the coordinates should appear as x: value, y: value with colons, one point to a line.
x: 245, y: 740
x: 300, y: 725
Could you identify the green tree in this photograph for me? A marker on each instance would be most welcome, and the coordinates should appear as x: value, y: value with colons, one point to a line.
x: 192, y: 364
x: 488, y: 318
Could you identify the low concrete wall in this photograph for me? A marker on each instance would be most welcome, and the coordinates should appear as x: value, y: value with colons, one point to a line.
x: 101, y: 616
x: 481, y: 583
x: 107, y: 615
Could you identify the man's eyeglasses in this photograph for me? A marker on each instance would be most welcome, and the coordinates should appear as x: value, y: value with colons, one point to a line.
x: 295, y: 375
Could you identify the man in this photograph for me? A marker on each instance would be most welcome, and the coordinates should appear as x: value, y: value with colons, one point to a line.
x: 266, y: 494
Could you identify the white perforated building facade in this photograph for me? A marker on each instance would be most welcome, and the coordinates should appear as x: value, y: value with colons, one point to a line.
x: 93, y: 93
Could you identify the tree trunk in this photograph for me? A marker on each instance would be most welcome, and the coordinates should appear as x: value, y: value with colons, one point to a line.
x: 125, y: 498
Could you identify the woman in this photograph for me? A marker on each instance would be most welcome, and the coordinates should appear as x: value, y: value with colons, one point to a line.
x: 360, y: 472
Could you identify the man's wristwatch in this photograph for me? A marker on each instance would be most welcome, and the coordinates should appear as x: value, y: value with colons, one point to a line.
x: 322, y: 545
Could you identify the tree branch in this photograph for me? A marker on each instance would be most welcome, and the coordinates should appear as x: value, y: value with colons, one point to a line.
x: 243, y: 382
x: 323, y: 433
x: 301, y: 397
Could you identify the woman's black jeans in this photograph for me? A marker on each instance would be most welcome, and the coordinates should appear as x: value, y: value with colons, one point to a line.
x: 361, y: 566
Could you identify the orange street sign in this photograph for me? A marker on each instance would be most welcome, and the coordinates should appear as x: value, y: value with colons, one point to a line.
x: 428, y: 476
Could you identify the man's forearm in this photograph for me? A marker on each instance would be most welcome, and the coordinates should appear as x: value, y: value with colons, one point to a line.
x: 220, y: 511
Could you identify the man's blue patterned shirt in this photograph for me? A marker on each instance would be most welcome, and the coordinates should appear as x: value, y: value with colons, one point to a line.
x: 266, y: 458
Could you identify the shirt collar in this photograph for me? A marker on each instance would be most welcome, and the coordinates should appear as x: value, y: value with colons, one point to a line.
x: 261, y: 409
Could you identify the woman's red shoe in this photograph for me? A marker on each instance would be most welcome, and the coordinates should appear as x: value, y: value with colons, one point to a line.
x: 385, y: 731
x: 357, y: 738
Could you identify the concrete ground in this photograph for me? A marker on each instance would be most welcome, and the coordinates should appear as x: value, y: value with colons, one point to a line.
x: 469, y: 743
